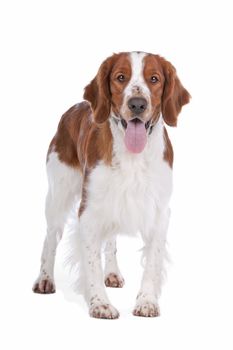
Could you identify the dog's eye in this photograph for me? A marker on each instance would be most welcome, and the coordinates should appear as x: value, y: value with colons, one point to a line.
x: 121, y: 78
x: 154, y: 79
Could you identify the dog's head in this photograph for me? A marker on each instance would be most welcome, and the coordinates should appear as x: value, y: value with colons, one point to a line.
x: 135, y: 88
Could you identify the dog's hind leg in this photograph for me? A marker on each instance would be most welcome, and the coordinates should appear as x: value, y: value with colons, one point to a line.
x: 64, y: 187
x: 113, y: 277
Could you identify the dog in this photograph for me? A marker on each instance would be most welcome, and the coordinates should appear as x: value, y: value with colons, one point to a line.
x: 112, y: 151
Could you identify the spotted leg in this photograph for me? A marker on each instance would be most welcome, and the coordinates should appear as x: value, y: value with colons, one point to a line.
x: 155, y: 253
x: 113, y: 277
x: 94, y: 289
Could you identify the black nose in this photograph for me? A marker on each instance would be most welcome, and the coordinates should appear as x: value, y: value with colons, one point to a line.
x: 137, y: 104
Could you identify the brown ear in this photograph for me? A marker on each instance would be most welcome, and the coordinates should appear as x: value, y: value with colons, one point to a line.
x: 98, y: 92
x: 174, y: 95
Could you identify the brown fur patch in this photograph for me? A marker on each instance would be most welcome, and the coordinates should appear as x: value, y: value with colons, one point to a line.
x: 83, y: 203
x: 152, y: 67
x: 121, y: 67
x: 98, y: 92
x: 99, y: 145
x: 168, y: 152
x: 79, y: 141
x: 71, y: 133
x: 175, y: 96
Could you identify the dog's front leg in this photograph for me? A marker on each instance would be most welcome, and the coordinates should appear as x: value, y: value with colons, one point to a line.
x: 155, y: 253
x: 95, y: 292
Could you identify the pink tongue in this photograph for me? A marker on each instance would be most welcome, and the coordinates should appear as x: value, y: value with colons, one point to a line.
x: 135, y: 136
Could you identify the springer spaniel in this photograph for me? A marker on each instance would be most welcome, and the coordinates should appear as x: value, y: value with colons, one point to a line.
x: 112, y: 151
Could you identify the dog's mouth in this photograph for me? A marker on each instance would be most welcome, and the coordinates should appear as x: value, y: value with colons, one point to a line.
x: 135, y: 134
x: 135, y: 120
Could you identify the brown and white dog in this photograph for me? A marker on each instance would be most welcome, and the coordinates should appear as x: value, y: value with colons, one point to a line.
x: 113, y: 152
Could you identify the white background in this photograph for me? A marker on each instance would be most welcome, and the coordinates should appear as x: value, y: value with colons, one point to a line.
x: 49, y: 51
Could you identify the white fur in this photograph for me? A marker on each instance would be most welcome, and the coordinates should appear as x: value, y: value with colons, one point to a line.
x: 130, y: 196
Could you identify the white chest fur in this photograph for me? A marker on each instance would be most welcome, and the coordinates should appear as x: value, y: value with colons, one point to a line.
x: 127, y: 196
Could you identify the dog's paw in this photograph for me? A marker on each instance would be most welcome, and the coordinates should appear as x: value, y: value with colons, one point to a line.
x: 146, y: 308
x: 44, y: 286
x: 114, y: 280
x: 106, y: 311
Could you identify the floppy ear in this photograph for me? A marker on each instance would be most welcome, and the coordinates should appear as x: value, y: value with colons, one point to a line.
x: 174, y: 95
x: 98, y: 92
